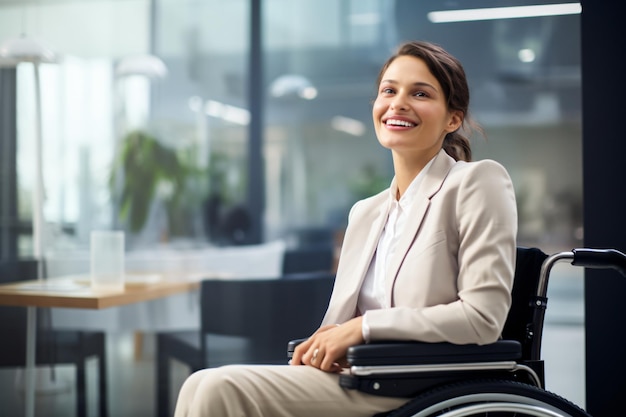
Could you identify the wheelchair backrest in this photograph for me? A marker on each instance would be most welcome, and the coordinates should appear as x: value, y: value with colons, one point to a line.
x: 522, y: 323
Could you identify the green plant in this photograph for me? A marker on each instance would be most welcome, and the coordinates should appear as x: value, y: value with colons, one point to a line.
x: 145, y: 169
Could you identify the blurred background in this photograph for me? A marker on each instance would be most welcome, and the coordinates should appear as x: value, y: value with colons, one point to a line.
x: 178, y: 73
x: 192, y: 124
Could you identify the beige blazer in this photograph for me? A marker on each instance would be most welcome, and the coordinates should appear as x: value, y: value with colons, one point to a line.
x: 452, y: 274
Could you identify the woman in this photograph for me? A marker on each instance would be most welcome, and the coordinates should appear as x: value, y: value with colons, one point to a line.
x: 429, y: 259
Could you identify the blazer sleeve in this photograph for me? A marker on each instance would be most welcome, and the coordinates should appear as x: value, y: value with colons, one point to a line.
x: 478, y: 267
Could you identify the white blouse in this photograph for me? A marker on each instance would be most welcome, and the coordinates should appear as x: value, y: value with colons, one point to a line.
x: 372, y: 295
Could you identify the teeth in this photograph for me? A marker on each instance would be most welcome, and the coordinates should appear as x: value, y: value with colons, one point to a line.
x: 399, y: 123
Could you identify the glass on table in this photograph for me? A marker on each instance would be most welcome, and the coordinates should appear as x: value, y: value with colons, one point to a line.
x: 107, y: 260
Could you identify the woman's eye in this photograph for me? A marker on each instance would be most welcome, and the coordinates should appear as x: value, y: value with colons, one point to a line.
x: 387, y: 91
x: 420, y: 94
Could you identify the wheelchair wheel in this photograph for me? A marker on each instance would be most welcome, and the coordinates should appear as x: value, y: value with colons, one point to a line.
x: 489, y: 398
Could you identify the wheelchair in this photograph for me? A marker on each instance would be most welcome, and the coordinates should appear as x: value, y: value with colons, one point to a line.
x: 505, y: 378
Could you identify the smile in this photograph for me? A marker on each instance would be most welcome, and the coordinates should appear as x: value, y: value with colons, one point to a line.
x: 396, y: 122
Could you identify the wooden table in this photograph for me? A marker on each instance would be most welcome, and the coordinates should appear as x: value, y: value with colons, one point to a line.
x: 75, y: 292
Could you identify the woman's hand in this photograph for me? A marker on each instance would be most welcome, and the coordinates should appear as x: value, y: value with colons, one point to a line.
x: 326, y: 348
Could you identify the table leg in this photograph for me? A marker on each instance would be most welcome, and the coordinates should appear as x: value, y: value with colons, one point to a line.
x: 31, y: 333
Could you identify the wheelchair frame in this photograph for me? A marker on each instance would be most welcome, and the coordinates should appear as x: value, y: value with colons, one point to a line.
x: 505, y: 377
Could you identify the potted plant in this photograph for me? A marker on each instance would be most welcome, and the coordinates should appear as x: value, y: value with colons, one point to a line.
x: 144, y: 171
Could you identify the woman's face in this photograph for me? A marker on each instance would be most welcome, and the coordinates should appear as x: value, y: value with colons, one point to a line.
x: 410, y: 112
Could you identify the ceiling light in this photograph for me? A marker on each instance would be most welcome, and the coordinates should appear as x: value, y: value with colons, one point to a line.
x: 466, y: 15
x: 348, y: 125
x: 25, y: 49
x: 526, y: 55
x: 293, y: 85
x: 144, y: 64
x: 227, y: 112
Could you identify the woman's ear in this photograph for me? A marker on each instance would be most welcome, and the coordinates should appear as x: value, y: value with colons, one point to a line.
x: 455, y: 121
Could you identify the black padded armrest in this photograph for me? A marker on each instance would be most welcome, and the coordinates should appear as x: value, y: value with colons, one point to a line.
x: 403, y: 369
x: 413, y: 353
x: 292, y: 345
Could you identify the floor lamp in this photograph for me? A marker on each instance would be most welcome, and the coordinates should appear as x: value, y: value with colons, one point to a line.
x: 13, y: 52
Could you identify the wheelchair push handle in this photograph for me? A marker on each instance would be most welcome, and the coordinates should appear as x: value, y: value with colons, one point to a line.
x: 600, y: 258
x: 585, y: 257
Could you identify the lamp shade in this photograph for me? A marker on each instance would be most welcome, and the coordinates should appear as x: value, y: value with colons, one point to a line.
x: 24, y: 49
x: 293, y: 85
x: 145, y: 64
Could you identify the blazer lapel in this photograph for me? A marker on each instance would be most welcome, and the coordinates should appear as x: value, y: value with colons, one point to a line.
x: 431, y: 184
x: 357, y: 256
x: 377, y: 223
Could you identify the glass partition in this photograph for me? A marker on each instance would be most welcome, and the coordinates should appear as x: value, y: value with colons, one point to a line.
x: 320, y: 61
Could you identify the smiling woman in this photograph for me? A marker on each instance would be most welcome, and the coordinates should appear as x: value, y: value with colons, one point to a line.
x: 531, y: 110
x: 456, y: 219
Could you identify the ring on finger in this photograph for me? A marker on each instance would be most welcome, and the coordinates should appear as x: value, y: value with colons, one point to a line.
x: 314, y: 357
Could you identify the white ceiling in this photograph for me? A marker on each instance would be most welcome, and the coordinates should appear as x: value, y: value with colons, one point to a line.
x: 83, y: 28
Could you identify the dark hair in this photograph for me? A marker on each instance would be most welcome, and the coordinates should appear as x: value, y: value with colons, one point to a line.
x: 451, y: 75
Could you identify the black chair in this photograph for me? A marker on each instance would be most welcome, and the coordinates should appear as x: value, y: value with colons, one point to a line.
x: 308, y: 258
x: 239, y: 314
x: 312, y: 236
x: 53, y: 347
x: 505, y: 377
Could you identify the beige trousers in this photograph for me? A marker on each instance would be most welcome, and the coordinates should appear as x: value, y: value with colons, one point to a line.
x: 274, y: 391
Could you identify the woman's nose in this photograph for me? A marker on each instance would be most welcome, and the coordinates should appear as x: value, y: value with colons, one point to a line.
x: 399, y: 103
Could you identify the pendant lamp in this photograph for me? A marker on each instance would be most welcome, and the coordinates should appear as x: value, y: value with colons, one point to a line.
x: 14, y: 51
x: 147, y: 65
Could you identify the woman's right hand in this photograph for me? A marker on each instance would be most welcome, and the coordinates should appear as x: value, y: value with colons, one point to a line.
x: 326, y: 348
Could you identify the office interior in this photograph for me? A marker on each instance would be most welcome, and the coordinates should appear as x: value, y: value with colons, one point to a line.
x: 265, y: 105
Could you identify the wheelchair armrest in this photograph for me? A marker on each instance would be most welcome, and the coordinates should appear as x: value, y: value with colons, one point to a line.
x: 291, y: 346
x: 402, y: 369
x: 414, y: 353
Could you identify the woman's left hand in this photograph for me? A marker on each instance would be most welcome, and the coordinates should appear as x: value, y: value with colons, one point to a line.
x: 326, y: 348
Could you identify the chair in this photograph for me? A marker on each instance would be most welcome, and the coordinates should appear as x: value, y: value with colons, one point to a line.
x: 461, y: 380
x: 53, y: 347
x: 238, y: 314
x: 308, y: 258
x: 312, y: 236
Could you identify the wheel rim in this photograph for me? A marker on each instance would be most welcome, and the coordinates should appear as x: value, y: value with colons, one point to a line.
x: 526, y: 409
x: 485, y: 399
